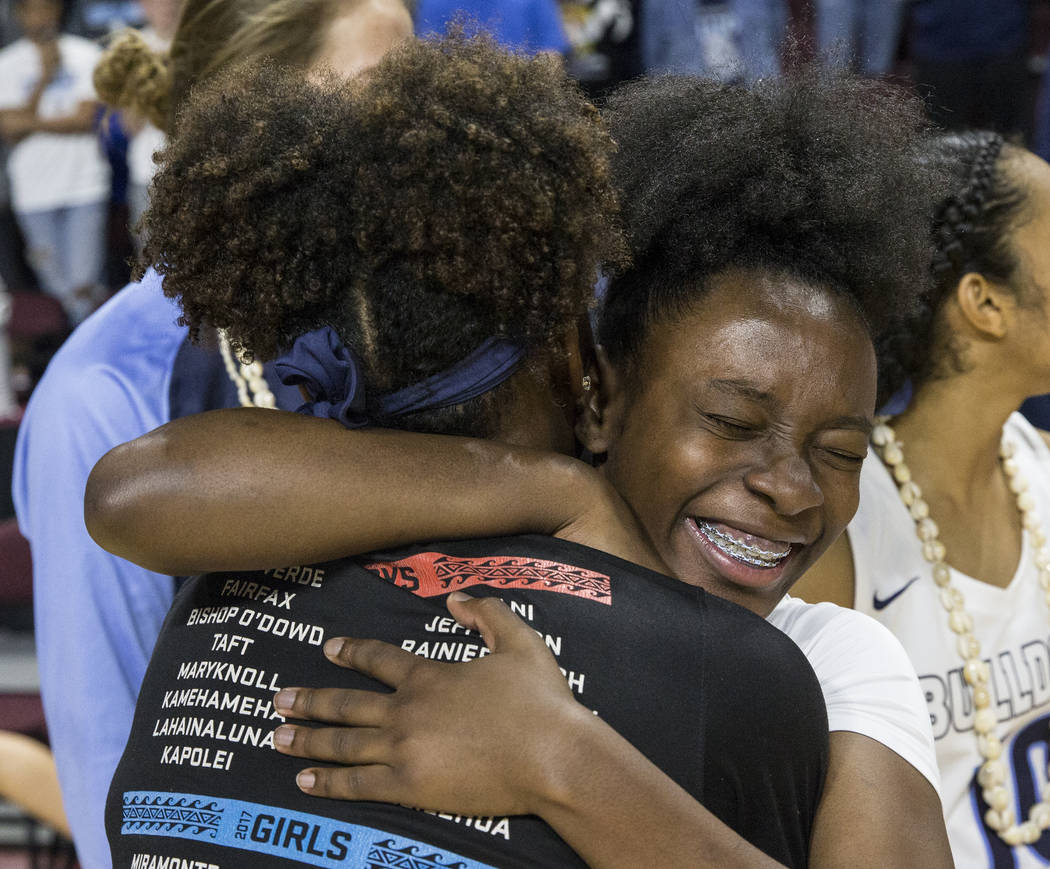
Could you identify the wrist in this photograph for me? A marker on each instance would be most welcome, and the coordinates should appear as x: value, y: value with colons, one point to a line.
x: 577, y: 740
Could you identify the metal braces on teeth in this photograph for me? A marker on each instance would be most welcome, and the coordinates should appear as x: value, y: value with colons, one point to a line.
x: 742, y: 551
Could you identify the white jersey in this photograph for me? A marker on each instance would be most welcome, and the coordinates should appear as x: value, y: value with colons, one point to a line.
x: 52, y: 170
x: 895, y: 585
x: 868, y: 682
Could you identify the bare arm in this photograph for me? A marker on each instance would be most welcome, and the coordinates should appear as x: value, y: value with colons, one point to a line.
x: 440, y: 742
x: 877, y: 810
x: 16, y: 124
x: 81, y: 120
x: 28, y: 779
x: 246, y: 489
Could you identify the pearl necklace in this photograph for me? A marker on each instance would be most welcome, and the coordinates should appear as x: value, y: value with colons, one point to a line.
x: 246, y: 376
x: 992, y: 773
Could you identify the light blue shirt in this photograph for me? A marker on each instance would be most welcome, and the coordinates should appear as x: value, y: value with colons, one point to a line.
x: 97, y: 616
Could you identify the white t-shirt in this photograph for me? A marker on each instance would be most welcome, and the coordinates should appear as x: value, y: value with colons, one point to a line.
x: 51, y: 170
x: 895, y: 585
x: 868, y: 682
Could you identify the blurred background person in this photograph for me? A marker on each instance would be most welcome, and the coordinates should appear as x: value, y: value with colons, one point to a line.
x: 726, y: 39
x: 128, y: 369
x: 603, y: 39
x: 949, y: 547
x: 59, y: 179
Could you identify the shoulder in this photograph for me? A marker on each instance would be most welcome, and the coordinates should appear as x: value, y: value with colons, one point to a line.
x: 867, y: 678
x: 1032, y: 451
x: 1025, y: 434
x: 753, y: 644
x: 106, y: 385
x: 853, y: 655
x: 835, y: 635
x: 123, y: 352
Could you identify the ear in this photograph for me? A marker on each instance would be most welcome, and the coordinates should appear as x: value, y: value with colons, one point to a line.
x: 985, y: 306
x: 601, y: 408
x: 579, y: 358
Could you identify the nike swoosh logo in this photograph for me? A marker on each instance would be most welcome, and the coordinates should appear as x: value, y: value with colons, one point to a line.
x: 885, y: 602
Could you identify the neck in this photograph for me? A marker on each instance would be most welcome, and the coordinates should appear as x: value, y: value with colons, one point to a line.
x: 952, y: 429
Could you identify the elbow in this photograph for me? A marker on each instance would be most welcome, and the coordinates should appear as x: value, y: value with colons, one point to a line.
x: 115, y: 511
x: 106, y: 508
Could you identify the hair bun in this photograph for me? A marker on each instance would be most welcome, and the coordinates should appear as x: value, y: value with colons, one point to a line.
x: 132, y: 76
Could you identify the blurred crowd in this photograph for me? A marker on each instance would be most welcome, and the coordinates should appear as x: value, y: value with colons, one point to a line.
x: 76, y: 177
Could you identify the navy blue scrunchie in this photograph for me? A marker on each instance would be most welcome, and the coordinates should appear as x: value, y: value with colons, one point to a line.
x: 331, y: 373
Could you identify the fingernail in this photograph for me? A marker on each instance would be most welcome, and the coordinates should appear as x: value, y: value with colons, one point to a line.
x: 305, y: 780
x: 283, y: 736
x: 459, y: 596
x: 284, y: 700
x: 334, y: 646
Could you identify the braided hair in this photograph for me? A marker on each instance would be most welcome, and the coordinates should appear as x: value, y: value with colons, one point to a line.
x: 971, y: 232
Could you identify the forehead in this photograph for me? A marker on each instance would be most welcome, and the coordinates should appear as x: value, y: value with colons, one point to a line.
x: 778, y: 332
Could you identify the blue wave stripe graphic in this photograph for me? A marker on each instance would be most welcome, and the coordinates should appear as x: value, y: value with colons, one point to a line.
x: 304, y: 838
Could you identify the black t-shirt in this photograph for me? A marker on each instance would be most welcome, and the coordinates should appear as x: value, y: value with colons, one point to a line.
x: 720, y: 700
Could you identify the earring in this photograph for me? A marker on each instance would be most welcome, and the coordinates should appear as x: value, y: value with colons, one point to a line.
x: 586, y: 383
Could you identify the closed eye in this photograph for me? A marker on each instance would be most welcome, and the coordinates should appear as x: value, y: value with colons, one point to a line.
x: 848, y: 460
x: 729, y: 427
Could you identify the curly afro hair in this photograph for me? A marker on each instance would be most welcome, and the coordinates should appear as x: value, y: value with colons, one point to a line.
x: 456, y: 193
x: 972, y: 227
x: 815, y: 175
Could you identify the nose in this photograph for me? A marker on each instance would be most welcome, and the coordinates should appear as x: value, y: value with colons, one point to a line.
x: 786, y: 481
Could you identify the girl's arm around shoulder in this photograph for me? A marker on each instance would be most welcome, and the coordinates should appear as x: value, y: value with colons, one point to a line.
x: 246, y: 489
x: 877, y: 810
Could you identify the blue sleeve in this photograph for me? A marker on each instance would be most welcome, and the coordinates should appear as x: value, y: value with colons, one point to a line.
x: 97, y: 616
x: 431, y: 16
x: 546, y: 32
x: 527, y: 25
